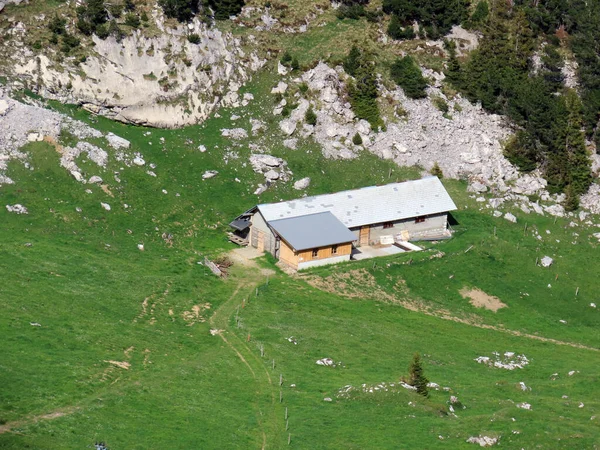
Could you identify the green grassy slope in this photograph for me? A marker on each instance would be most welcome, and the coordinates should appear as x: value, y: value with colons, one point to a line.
x: 99, y: 299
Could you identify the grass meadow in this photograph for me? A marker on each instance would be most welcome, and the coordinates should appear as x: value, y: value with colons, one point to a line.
x: 124, y: 353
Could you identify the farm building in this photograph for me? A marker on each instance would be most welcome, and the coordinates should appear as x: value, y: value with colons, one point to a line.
x: 325, y: 229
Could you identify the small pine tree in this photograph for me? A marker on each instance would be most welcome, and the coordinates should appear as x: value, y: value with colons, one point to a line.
x: 310, y: 117
x: 357, y: 140
x: 416, y: 376
x: 482, y: 10
x: 286, y: 59
x: 407, y: 75
x: 352, y: 61
x: 436, y: 170
x: 295, y: 65
x: 571, y: 199
x: 394, y: 29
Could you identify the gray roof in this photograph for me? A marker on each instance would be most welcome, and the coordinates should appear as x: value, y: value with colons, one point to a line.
x: 370, y: 205
x: 312, y: 231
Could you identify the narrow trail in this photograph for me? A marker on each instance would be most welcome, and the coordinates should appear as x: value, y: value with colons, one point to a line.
x: 8, y: 426
x: 220, y: 320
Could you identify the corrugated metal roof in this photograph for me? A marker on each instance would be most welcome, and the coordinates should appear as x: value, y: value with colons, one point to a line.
x: 369, y: 205
x: 312, y: 231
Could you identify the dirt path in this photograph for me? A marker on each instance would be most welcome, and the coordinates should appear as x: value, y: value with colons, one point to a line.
x: 220, y: 321
x: 31, y: 420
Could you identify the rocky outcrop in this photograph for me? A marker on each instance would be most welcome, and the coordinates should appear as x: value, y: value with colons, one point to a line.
x: 164, y: 81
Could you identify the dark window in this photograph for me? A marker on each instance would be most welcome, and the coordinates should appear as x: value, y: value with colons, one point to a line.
x: 315, y: 253
x: 334, y: 249
x: 420, y: 219
x: 388, y: 225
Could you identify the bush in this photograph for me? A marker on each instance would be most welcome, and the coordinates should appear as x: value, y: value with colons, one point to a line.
x: 225, y: 8
x: 69, y: 43
x: 441, y: 104
x: 521, y: 150
x: 115, y: 31
x: 356, y: 139
x: 90, y: 15
x: 436, y: 171
x: 194, y: 38
x: 102, y: 31
x: 353, y: 12
x: 57, y: 25
x: 129, y: 5
x: 115, y: 10
x: 396, y: 31
x: 286, y: 59
x: 132, y: 20
x: 416, y: 376
x: 144, y: 16
x: 303, y: 87
x: 310, y: 117
x: 407, y: 75
x: 182, y: 10
x: 295, y: 65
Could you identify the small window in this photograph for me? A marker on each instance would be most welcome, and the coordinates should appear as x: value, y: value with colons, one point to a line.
x: 420, y: 219
x: 388, y: 225
x: 315, y: 253
x: 334, y: 250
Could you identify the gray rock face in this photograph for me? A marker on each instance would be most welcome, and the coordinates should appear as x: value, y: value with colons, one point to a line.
x: 164, y: 81
x: 95, y: 180
x: 234, y: 133
x: 510, y: 217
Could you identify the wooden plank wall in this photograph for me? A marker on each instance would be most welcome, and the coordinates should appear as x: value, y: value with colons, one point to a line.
x: 287, y: 255
x: 325, y: 252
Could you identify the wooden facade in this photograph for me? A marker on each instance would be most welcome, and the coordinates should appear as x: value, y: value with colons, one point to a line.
x: 295, y: 258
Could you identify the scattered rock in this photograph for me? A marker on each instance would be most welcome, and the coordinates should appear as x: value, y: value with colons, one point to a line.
x: 95, y: 180
x: 117, y: 142
x: 17, y: 209
x: 106, y: 206
x: 202, y: 148
x: 209, y: 174
x: 483, y: 441
x: 234, y: 133
x: 326, y: 362
x: 510, y: 217
x: 524, y: 405
x: 302, y: 184
x: 508, y: 361
x: 280, y: 88
x: 140, y: 247
x: 546, y: 261
x: 139, y: 161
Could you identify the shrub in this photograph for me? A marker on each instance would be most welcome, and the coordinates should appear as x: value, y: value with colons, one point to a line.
x: 295, y: 65
x: 90, y: 15
x: 441, y: 104
x: 310, y: 117
x: 69, y: 43
x: 102, y: 31
x: 353, y: 12
x: 129, y: 5
x: 407, y: 75
x: 182, y: 10
x: 416, y: 376
x: 115, y: 10
x: 436, y: 170
x: 132, y: 20
x: 286, y: 59
x: 57, y: 25
x: 115, y: 31
x: 356, y: 139
x: 226, y: 8
x: 144, y: 16
x: 303, y: 87
x: 194, y: 38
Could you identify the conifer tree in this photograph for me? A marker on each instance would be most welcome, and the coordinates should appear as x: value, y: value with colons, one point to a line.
x: 416, y: 376
x: 407, y: 75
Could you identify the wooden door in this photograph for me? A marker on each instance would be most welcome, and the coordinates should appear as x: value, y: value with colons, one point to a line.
x: 260, y: 242
x: 365, y: 234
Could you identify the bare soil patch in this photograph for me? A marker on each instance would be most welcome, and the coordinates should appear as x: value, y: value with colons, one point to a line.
x: 480, y: 299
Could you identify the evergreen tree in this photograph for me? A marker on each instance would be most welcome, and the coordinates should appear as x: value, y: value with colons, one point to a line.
x: 310, y: 117
x: 580, y: 175
x: 357, y: 139
x: 407, y: 75
x: 481, y: 13
x: 363, y: 95
x: 352, y: 61
x: 416, y: 376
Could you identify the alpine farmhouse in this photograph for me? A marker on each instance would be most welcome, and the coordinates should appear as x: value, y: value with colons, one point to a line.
x: 327, y: 229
